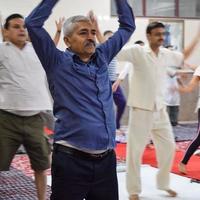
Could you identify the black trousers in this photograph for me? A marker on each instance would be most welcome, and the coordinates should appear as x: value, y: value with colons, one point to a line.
x: 173, y: 112
x: 193, y: 145
x: 76, y: 178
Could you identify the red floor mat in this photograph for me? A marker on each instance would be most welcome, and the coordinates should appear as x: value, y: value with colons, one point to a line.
x: 149, y: 157
x: 21, y: 162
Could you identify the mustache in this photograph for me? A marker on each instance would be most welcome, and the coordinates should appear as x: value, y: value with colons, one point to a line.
x: 89, y: 42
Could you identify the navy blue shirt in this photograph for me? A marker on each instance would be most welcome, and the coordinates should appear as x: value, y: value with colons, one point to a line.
x: 82, y: 93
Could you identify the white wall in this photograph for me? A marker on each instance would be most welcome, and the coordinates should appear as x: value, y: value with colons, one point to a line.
x: 68, y: 8
x: 191, y: 28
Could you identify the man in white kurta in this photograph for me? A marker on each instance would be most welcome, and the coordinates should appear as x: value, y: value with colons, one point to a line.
x: 147, y: 108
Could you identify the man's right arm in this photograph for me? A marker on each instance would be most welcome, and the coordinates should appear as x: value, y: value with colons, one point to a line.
x: 126, y: 54
x: 41, y: 40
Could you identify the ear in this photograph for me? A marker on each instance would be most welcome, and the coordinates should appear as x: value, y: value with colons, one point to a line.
x: 148, y: 36
x: 5, y: 33
x: 67, y: 41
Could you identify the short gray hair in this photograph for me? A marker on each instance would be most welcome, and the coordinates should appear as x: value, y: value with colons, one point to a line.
x: 69, y: 25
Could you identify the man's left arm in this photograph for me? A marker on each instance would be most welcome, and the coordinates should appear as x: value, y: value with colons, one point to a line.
x: 190, y: 48
x: 126, y: 28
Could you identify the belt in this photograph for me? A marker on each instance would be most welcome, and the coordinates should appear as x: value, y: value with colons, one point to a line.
x: 80, y: 154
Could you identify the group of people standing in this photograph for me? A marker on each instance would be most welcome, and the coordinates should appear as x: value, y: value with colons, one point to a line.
x: 84, y: 161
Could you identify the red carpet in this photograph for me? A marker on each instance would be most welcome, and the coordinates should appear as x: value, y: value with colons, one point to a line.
x: 193, y: 166
x: 21, y: 162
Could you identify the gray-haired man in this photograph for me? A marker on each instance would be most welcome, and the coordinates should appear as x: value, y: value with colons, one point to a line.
x: 84, y: 162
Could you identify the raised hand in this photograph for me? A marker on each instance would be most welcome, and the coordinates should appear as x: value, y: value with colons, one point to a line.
x: 59, y: 23
x: 94, y: 21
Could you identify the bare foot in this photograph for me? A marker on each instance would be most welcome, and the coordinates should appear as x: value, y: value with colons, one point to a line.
x: 171, y: 193
x: 182, y: 168
x: 134, y: 197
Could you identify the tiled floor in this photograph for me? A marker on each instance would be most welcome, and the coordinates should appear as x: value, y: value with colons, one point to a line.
x: 185, y: 189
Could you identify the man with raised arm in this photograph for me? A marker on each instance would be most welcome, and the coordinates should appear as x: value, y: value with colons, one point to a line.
x: 84, y: 162
x: 148, y: 108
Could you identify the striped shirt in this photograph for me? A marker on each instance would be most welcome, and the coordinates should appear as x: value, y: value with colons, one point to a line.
x: 112, y: 70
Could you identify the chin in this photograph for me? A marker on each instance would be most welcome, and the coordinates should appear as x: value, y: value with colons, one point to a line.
x: 91, y: 52
x: 159, y: 44
x: 22, y: 39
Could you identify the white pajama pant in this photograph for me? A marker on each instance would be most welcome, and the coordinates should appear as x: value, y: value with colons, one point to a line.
x: 142, y: 123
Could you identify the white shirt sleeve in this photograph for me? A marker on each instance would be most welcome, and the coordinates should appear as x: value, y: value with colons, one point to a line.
x: 177, y: 58
x: 129, y: 53
x: 125, y: 68
x: 197, y: 71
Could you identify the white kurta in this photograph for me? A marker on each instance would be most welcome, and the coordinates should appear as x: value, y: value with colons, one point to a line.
x: 148, y: 113
x: 23, y: 85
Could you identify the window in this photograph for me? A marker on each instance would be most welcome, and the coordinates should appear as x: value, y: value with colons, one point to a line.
x: 137, y: 7
x: 163, y: 8
x: 189, y: 8
x: 174, y: 32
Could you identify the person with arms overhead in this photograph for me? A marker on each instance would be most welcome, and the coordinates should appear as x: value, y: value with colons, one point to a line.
x: 84, y: 162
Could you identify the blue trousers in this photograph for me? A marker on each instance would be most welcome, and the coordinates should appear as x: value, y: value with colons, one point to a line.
x: 75, y: 178
x: 120, y: 102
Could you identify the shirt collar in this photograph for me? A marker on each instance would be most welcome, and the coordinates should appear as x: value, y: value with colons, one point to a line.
x: 8, y: 43
x: 150, y: 51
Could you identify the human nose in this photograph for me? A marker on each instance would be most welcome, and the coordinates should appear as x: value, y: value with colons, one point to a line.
x: 91, y: 36
x: 22, y: 29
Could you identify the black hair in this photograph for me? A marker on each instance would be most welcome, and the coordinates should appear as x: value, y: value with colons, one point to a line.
x: 169, y: 46
x: 10, y: 17
x: 107, y: 32
x: 154, y: 25
x: 139, y: 42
